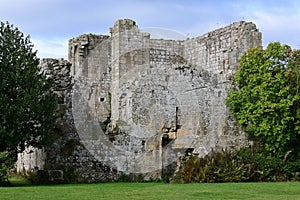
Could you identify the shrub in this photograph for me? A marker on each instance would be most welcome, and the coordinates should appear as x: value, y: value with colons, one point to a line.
x: 4, y: 165
x: 244, y: 165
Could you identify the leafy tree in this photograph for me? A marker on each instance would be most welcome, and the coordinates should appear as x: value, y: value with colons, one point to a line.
x: 27, y: 104
x: 266, y: 100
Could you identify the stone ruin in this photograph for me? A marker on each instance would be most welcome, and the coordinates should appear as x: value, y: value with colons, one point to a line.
x: 129, y: 104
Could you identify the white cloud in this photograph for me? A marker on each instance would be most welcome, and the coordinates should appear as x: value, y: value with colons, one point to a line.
x: 161, y: 33
x: 51, y: 48
x: 275, y: 27
x: 64, y: 19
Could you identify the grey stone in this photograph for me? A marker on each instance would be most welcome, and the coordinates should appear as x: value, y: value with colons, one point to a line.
x: 163, y: 98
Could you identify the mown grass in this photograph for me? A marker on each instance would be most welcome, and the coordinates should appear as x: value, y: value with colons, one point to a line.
x: 275, y: 190
x: 19, y: 181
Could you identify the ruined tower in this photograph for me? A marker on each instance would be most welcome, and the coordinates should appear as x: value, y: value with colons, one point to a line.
x: 140, y: 102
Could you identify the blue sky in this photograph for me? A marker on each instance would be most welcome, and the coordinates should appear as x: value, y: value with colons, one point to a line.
x: 51, y: 23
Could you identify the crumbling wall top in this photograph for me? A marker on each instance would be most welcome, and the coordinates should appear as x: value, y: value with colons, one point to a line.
x: 125, y: 23
x: 122, y: 25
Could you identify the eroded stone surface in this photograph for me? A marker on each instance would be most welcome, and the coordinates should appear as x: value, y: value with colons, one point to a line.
x: 154, y: 100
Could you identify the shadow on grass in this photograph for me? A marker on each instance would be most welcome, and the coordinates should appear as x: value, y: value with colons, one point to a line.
x: 18, y: 181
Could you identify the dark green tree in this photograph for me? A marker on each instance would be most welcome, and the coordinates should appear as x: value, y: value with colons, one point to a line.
x: 265, y: 99
x: 27, y: 105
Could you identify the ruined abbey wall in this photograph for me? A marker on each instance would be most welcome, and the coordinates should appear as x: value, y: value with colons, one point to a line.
x: 138, y: 103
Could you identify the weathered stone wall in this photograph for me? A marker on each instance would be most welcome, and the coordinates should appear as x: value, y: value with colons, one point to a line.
x: 218, y: 51
x: 81, y: 47
x: 31, y: 159
x: 170, y: 94
x: 166, y: 53
x: 137, y: 103
x: 67, y: 155
x: 59, y: 72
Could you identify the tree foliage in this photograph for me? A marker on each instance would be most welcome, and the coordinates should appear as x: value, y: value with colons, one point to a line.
x: 265, y: 99
x: 27, y: 104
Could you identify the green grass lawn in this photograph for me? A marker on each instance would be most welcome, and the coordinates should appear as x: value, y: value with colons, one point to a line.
x: 273, y: 191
